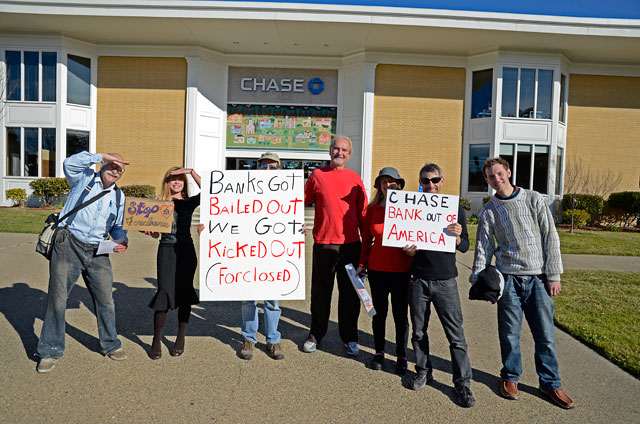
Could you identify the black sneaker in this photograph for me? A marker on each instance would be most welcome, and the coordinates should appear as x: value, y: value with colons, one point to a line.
x: 420, y: 380
x: 465, y: 397
x: 401, y: 366
x: 376, y: 362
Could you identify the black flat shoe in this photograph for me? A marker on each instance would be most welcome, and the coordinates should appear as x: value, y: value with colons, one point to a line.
x: 155, y: 355
x: 176, y: 352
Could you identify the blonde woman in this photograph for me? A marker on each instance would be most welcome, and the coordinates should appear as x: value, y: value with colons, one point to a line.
x: 177, y: 261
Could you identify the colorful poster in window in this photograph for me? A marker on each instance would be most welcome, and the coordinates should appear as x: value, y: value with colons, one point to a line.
x: 269, y: 127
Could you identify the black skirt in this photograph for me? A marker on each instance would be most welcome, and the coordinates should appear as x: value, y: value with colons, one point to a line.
x: 176, y: 268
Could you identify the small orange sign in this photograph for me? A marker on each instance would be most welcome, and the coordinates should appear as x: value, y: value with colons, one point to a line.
x: 146, y: 214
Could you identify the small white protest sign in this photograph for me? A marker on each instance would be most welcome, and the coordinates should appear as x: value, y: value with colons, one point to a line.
x: 252, y: 247
x: 413, y: 217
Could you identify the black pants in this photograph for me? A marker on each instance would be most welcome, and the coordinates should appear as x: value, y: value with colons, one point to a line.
x: 329, y: 261
x: 382, y: 285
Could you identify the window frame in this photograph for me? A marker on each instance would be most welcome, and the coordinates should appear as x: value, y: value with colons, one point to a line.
x: 532, y: 167
x: 536, y: 70
x: 40, y: 80
x: 23, y: 154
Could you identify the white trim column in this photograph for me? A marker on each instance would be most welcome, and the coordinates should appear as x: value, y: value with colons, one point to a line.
x: 367, y: 124
x: 191, y: 112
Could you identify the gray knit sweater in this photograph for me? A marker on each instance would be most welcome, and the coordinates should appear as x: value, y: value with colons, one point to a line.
x: 523, y: 227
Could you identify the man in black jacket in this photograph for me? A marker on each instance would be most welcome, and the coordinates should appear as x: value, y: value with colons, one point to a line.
x: 434, y: 281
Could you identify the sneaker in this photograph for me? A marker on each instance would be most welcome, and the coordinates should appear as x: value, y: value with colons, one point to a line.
x: 46, y: 364
x: 246, y: 351
x: 376, y: 362
x: 401, y: 365
x: 118, y: 354
x: 420, y: 380
x: 352, y: 349
x: 465, y: 397
x: 274, y: 351
x: 309, y: 345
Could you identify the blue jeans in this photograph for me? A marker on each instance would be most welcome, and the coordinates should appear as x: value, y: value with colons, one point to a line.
x: 70, y: 259
x: 250, y: 320
x: 446, y: 301
x: 527, y: 293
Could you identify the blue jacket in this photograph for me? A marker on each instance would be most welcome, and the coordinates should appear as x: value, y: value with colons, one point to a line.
x: 95, y: 222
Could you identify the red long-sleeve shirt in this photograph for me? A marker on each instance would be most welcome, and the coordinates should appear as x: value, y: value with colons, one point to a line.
x: 340, y: 200
x: 374, y: 255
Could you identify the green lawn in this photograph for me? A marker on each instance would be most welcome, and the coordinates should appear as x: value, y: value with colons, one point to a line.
x: 602, y: 309
x: 16, y: 220
x: 589, y: 242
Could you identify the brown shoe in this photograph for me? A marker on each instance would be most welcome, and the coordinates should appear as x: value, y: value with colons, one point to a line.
x: 274, y: 351
x: 559, y: 397
x: 246, y: 351
x: 509, y: 389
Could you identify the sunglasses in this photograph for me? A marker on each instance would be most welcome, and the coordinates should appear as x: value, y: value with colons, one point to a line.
x: 269, y: 166
x: 426, y: 181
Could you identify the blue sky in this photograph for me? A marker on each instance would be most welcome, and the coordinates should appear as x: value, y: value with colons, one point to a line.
x: 628, y: 9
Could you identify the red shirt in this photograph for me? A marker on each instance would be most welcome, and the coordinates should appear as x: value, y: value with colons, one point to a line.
x: 340, y: 200
x: 377, y: 257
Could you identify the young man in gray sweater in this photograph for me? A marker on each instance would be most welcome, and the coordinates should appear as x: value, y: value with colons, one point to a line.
x: 528, y: 256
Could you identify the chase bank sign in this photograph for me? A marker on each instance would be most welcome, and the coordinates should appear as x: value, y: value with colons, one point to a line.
x: 283, y: 86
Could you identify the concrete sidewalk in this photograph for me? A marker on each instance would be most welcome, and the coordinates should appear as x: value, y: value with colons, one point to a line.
x: 209, y: 383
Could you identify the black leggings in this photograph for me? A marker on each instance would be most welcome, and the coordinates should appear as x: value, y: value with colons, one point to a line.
x: 397, y: 284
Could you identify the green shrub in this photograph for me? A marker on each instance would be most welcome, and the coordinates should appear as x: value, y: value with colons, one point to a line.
x: 485, y: 199
x: 17, y: 195
x: 628, y: 203
x: 473, y: 219
x: 591, y: 203
x: 139, y: 190
x: 614, y: 228
x: 47, y: 189
x: 580, y: 217
x: 465, y: 204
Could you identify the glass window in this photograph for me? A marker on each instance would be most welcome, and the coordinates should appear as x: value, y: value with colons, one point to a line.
x: 49, y: 77
x: 527, y: 84
x: 77, y: 141
x: 13, y: 152
x: 541, y: 169
x: 545, y: 93
x: 48, y: 152
x: 482, y: 90
x: 559, y: 171
x: 13, y: 75
x: 523, y: 166
x: 561, y: 116
x: 507, y: 153
x: 509, y: 92
x: 478, y: 153
x: 78, y: 80
x: 30, y: 152
x: 31, y: 83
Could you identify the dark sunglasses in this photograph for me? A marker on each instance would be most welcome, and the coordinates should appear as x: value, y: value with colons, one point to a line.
x: 434, y: 180
x: 269, y: 166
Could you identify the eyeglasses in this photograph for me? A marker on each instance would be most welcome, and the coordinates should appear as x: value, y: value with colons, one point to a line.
x: 426, y: 181
x: 113, y: 167
x: 269, y: 166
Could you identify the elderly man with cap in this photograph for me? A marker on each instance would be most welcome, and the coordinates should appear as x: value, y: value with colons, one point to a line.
x: 75, y: 249
x: 272, y: 311
x: 434, y: 281
x: 389, y: 272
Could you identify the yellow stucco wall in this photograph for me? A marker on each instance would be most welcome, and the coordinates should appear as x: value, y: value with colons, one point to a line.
x: 418, y: 118
x: 603, y: 127
x: 141, y: 114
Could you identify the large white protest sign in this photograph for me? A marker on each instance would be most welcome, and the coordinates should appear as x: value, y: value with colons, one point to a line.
x: 418, y: 218
x: 252, y: 247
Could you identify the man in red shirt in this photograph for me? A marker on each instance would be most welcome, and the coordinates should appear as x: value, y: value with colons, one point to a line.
x: 340, y: 199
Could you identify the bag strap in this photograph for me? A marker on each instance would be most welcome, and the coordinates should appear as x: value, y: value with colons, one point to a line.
x: 86, y: 191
